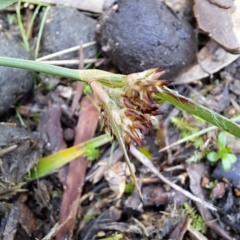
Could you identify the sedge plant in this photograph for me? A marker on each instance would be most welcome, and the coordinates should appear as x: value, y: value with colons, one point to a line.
x: 129, y: 102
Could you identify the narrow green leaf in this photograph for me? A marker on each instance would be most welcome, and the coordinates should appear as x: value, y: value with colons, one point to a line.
x: 21, y: 28
x: 41, y: 31
x: 6, y: 3
x: 56, y: 160
x: 30, y: 26
x: 196, y: 109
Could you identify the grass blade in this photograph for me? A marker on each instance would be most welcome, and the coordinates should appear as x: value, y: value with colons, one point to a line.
x: 21, y: 28
x: 51, y: 163
x: 6, y: 3
x: 196, y: 109
x: 41, y: 32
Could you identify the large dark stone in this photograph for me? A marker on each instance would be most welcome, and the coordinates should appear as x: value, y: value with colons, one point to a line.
x: 233, y: 175
x: 141, y: 34
x: 19, y: 151
x: 15, y: 84
x: 66, y: 27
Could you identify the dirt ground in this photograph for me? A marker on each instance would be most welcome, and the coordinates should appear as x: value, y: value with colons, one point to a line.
x: 95, y: 199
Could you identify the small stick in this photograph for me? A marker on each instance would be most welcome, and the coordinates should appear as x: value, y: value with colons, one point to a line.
x: 147, y: 163
x: 68, y: 50
x: 73, y: 61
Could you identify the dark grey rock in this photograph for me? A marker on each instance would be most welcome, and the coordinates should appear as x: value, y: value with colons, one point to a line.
x: 233, y: 175
x: 141, y: 34
x: 66, y: 27
x: 15, y: 164
x: 234, y: 69
x: 15, y: 84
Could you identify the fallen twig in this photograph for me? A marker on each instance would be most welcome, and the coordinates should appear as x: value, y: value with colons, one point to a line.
x: 65, y: 51
x: 147, y: 163
x: 73, y: 61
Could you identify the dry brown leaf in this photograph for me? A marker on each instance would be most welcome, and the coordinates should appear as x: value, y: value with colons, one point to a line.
x: 212, y: 58
x: 116, y: 183
x: 95, y: 6
x: 103, y: 165
x: 116, y: 177
x: 222, y: 24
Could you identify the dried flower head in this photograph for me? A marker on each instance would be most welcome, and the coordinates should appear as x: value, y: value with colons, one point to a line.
x: 131, y: 107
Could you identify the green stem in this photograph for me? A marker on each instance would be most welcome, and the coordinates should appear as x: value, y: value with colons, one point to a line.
x: 41, y: 31
x: 36, y: 11
x: 21, y: 28
x: 85, y: 75
x: 40, y: 67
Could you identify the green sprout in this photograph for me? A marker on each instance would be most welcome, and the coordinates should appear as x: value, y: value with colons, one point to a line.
x: 20, y: 119
x: 129, y: 188
x: 224, y: 153
x: 92, y: 153
x: 211, y: 184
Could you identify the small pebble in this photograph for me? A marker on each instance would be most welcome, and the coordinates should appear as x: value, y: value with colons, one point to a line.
x: 68, y: 134
x: 219, y: 190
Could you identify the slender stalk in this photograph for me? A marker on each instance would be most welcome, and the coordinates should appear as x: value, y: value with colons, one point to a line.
x: 36, y: 11
x: 41, y: 31
x: 86, y: 75
x: 39, y: 67
x: 21, y: 28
